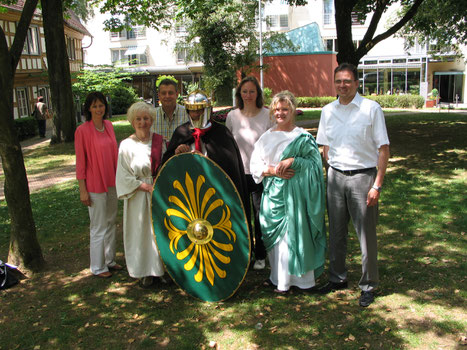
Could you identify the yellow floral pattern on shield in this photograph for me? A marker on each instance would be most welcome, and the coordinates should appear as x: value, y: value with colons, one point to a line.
x: 195, y: 207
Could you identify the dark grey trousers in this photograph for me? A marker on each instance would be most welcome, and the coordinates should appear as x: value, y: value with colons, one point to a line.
x: 346, y: 199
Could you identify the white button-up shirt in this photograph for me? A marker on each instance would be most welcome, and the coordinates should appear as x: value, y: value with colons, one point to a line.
x: 353, y: 132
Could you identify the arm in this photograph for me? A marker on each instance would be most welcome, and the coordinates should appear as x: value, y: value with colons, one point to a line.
x: 80, y: 152
x: 383, y: 157
x: 326, y: 153
x: 282, y: 170
x: 83, y: 193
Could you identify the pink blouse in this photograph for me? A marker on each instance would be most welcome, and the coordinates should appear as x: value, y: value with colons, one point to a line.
x: 96, y: 156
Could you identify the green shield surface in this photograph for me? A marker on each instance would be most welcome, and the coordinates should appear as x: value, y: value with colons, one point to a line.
x: 200, y: 227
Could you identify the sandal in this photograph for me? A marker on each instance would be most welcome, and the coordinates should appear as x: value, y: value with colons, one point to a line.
x: 116, y: 267
x: 105, y: 274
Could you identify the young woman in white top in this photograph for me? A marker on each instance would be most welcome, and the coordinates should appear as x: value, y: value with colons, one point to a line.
x: 247, y: 123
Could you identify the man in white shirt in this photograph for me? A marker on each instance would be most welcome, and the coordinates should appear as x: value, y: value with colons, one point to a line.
x: 356, y: 146
x: 170, y: 114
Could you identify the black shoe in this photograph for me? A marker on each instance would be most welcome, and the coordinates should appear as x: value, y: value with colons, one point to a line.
x: 366, y: 298
x: 332, y: 286
x: 312, y: 290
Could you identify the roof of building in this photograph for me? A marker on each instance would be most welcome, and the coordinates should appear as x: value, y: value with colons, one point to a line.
x: 71, y: 19
x: 306, y: 39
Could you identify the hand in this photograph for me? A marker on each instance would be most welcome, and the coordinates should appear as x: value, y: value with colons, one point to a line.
x: 372, y: 197
x: 85, y: 198
x: 283, y: 169
x: 145, y: 187
x: 287, y: 174
x: 182, y: 149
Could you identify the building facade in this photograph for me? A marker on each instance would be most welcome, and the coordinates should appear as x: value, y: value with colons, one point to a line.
x: 388, y: 68
x: 31, y: 78
x: 141, y: 50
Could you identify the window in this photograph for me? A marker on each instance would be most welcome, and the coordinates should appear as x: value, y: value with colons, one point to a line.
x: 129, y: 56
x: 181, y: 55
x: 180, y: 29
x: 137, y: 32
x: 330, y: 44
x: 22, y: 99
x: 31, y: 44
x: 277, y: 21
x: 328, y: 17
x: 117, y: 55
x: 284, y: 21
x: 70, y: 48
x: 356, y: 21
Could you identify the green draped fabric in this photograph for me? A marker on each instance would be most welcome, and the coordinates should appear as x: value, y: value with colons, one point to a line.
x: 297, y: 206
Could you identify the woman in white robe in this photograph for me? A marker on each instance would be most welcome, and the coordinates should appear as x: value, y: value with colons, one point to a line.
x: 287, y: 160
x: 134, y: 182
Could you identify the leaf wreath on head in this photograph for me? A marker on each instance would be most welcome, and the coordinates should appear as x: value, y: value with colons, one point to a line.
x: 163, y: 77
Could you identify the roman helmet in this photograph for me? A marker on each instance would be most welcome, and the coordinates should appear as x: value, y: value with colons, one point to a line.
x: 198, y: 100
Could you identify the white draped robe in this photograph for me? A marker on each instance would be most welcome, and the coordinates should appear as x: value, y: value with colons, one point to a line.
x: 134, y: 168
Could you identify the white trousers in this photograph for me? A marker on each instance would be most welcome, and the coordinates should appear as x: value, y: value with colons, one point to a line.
x: 102, y: 216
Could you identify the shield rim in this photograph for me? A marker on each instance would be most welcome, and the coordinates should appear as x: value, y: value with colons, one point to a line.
x: 244, y: 218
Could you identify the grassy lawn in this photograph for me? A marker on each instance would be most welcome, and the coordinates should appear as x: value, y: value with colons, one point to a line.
x: 420, y: 305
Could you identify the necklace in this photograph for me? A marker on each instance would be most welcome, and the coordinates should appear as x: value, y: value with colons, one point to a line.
x: 100, y: 130
x: 142, y: 141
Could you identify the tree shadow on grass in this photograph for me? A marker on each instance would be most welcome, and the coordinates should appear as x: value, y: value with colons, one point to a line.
x: 421, y: 245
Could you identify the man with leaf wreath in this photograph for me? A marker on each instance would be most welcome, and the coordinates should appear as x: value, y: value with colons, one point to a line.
x: 170, y: 114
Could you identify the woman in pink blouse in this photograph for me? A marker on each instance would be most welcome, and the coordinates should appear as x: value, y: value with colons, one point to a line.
x: 247, y: 123
x: 96, y: 164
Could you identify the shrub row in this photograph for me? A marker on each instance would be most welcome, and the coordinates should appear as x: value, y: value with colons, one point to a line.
x: 26, y: 127
x: 386, y: 101
x: 399, y: 101
x: 314, y: 102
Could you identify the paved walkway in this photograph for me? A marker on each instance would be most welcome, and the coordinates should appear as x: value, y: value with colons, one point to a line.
x: 47, y: 179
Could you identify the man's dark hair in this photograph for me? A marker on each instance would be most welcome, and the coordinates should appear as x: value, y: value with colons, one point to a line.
x: 94, y: 96
x: 168, y: 82
x: 347, y: 67
x: 40, y: 99
x: 259, y: 93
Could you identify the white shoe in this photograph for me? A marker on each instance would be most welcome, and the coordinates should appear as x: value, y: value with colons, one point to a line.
x: 259, y: 264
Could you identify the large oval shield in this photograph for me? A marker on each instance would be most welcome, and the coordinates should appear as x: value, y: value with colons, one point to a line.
x: 200, y: 227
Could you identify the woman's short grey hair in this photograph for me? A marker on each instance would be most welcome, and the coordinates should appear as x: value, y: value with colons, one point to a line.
x: 138, y: 107
x: 283, y: 96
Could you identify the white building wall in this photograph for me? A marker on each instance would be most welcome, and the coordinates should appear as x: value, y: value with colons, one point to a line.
x: 160, y: 45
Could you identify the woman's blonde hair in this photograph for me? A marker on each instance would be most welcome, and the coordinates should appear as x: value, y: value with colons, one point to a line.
x: 141, y: 106
x: 283, y: 96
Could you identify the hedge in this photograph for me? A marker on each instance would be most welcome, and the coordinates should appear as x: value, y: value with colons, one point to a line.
x: 399, y: 101
x: 314, y: 102
x: 26, y: 127
x: 386, y: 101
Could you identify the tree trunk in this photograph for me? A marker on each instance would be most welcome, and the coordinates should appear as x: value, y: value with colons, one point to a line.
x: 25, y: 250
x: 223, y: 94
x: 59, y: 71
x: 345, y: 47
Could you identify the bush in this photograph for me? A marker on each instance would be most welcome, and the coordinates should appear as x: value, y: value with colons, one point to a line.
x: 122, y: 98
x: 314, y: 102
x: 385, y: 101
x: 113, y: 83
x: 26, y: 128
x: 399, y: 101
x: 267, y: 96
